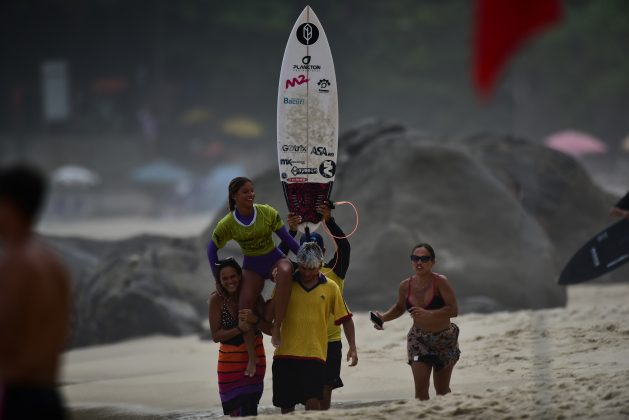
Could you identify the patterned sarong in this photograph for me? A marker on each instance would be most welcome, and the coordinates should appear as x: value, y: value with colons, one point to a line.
x: 240, y: 394
x: 437, y: 349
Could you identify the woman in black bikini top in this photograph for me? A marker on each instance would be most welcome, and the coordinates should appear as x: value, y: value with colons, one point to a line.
x: 432, y: 342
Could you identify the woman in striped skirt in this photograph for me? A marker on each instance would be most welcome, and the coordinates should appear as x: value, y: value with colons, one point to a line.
x: 240, y: 394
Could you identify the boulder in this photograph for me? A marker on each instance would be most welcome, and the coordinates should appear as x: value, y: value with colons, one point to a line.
x: 409, y: 189
x: 554, y: 188
x: 140, y: 286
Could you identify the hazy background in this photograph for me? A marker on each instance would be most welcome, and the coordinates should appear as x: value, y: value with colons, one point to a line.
x: 194, y: 83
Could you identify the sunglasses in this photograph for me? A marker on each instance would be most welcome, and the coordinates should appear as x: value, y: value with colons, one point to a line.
x: 422, y: 258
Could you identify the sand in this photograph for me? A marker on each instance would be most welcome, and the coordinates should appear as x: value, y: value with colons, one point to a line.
x: 568, y: 362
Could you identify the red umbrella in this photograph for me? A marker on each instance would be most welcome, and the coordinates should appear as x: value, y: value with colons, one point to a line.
x: 575, y: 143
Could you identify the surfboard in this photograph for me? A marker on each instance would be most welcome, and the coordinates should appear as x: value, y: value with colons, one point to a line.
x: 605, y: 252
x: 307, y: 120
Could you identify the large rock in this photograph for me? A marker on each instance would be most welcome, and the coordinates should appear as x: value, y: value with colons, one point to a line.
x: 140, y: 286
x: 554, y: 188
x: 407, y: 190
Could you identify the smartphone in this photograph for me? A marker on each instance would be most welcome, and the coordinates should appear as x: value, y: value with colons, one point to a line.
x: 375, y: 319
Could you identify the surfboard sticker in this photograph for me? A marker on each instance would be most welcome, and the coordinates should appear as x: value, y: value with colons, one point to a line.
x: 307, y: 119
x: 603, y: 253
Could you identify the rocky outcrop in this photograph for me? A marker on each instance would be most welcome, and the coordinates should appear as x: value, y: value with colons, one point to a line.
x: 503, y: 214
x: 552, y: 187
x: 410, y: 189
x: 141, y: 286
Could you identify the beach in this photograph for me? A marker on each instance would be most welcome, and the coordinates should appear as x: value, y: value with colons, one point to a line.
x: 555, y: 363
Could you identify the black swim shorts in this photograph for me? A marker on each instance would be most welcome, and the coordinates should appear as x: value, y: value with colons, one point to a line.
x: 297, y: 380
x: 30, y: 402
x: 333, y: 364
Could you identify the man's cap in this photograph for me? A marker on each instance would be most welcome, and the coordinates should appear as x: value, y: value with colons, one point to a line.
x: 313, y: 237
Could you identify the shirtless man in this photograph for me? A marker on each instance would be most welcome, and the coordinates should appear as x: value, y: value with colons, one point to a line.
x: 34, y: 303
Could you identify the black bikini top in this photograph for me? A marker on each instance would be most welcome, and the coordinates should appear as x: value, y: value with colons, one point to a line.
x: 228, y: 322
x: 436, y: 302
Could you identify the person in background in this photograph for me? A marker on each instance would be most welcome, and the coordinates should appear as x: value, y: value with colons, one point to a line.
x: 240, y: 393
x: 335, y: 269
x: 621, y: 208
x: 35, y: 303
x: 432, y: 342
x: 299, y: 362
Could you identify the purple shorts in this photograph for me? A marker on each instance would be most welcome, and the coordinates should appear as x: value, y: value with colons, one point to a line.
x: 262, y: 264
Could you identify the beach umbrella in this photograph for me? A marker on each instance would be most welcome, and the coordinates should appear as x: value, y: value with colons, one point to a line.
x: 74, y: 175
x: 161, y: 173
x: 214, y: 185
x: 575, y: 143
x: 218, y: 179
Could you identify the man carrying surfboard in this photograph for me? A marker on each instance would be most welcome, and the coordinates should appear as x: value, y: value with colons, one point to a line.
x: 299, y: 362
x: 335, y: 269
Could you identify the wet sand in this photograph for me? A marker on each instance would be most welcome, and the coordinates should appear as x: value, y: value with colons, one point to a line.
x: 559, y: 363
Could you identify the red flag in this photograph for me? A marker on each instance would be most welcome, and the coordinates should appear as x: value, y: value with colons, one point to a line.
x: 501, y: 27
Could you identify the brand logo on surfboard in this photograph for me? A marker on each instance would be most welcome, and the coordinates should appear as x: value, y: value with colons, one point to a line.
x: 295, y: 148
x: 296, y: 81
x: 320, y: 151
x: 306, y: 67
x: 327, y: 168
x: 291, y: 162
x: 324, y: 84
x: 303, y: 171
x: 307, y: 33
x: 294, y: 101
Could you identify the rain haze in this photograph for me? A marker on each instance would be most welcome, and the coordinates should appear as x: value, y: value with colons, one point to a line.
x: 141, y: 112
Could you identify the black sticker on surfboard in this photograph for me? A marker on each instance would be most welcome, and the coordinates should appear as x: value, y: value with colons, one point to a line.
x: 307, y: 33
x: 327, y: 168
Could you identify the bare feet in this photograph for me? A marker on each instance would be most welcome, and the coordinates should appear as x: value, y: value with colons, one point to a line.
x: 251, y: 368
x: 276, y: 338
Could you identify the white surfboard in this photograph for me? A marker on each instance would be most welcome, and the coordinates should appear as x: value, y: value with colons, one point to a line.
x: 307, y: 119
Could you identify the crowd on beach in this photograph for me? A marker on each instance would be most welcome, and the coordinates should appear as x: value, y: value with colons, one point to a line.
x: 305, y: 317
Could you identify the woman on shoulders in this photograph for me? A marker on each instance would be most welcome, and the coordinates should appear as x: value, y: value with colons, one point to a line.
x: 252, y: 226
x: 432, y: 342
x: 240, y: 393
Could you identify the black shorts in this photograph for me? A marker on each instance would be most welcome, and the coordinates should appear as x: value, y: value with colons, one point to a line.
x: 333, y: 364
x: 297, y: 380
x: 30, y: 402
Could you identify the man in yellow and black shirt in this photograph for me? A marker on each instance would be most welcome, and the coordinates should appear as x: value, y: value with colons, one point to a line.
x: 335, y: 269
x: 299, y: 363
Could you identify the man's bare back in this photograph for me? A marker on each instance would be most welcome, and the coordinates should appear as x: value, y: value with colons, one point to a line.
x: 34, y: 314
x: 34, y: 303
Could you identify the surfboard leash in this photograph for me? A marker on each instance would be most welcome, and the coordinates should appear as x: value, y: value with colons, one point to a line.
x: 325, y: 228
x: 333, y: 205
